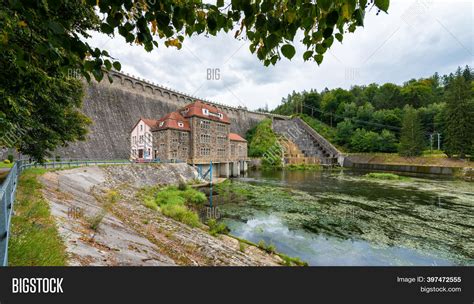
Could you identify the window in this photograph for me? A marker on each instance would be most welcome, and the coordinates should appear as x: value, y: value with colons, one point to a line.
x: 174, y: 154
x: 205, y: 125
x: 221, y: 116
x: 183, y: 135
x: 221, y: 140
x: 205, y: 151
x: 205, y: 138
x: 140, y: 139
x: 221, y: 127
x: 174, y: 140
x: 134, y: 140
x: 205, y: 112
x: 221, y: 152
x: 141, y: 127
x: 162, y: 146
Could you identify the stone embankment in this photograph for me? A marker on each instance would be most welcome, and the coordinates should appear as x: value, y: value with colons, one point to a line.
x: 104, y: 223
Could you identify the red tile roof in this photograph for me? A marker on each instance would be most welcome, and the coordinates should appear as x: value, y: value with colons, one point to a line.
x: 206, y: 111
x: 236, y: 137
x: 172, y: 121
x: 150, y: 122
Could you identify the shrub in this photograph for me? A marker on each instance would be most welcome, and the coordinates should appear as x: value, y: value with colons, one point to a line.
x: 193, y: 196
x: 95, y: 220
x: 169, y: 195
x: 6, y: 161
x: 112, y: 196
x: 10, y: 158
x: 216, y: 228
x: 150, y: 203
x: 181, y: 214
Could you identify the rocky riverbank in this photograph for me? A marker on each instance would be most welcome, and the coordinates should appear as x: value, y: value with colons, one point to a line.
x: 103, y: 223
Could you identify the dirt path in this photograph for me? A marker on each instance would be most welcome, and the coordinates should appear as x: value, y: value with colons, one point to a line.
x: 130, y: 233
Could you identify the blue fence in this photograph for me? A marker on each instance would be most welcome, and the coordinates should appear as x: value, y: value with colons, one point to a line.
x: 8, y: 192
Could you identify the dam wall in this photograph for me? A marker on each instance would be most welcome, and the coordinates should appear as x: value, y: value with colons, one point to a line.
x: 115, y: 107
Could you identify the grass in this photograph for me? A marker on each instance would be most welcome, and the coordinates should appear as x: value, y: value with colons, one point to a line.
x: 4, y: 165
x: 242, y: 246
x: 386, y: 176
x: 182, y: 214
x: 303, y: 167
x: 34, y: 239
x: 287, y: 260
x: 216, y: 228
x: 95, y: 220
x: 269, y: 248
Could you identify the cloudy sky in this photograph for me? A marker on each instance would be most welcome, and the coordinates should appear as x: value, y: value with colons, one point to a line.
x: 416, y: 39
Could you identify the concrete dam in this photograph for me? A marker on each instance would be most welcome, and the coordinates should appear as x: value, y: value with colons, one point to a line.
x: 115, y: 107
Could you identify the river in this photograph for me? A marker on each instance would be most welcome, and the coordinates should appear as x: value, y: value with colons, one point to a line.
x: 344, y: 218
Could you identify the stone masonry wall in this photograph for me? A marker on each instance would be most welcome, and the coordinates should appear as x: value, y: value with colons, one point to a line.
x: 115, y: 108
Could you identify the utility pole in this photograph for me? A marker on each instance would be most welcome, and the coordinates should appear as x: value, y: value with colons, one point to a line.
x: 439, y: 141
x: 431, y: 143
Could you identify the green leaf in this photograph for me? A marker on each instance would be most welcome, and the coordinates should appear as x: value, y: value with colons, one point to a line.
x: 106, y: 29
x: 320, y: 49
x: 307, y: 55
x: 318, y: 58
x: 327, y: 32
x: 332, y: 17
x: 382, y: 4
x: 325, y: 5
x: 107, y: 64
x: 288, y: 51
x: 339, y: 37
x: 117, y: 65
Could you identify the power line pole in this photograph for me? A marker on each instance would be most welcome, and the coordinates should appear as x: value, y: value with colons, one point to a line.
x: 431, y: 143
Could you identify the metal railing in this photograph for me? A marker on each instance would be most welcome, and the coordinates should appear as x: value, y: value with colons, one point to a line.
x: 7, y: 197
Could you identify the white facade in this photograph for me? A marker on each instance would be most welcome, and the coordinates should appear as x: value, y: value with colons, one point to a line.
x: 141, y: 140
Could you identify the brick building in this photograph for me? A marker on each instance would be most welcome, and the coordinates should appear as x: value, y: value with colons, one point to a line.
x: 197, y: 134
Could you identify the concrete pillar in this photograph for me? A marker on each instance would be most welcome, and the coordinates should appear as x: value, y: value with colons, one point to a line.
x: 224, y: 170
x: 245, y: 166
x: 237, y: 172
x: 235, y: 169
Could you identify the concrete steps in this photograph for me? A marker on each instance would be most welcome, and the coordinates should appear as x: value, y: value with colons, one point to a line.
x: 309, y: 142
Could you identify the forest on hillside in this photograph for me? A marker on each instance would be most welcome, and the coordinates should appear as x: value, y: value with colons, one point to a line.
x: 389, y: 117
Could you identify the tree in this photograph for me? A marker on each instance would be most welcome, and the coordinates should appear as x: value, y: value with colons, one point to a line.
x: 417, y: 94
x: 39, y: 103
x: 41, y: 43
x: 387, y: 96
x: 365, y: 141
x: 459, y: 117
x: 411, y: 137
x: 387, y: 142
x: 344, y: 132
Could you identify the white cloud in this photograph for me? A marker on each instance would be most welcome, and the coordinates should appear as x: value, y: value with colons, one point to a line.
x: 416, y: 39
